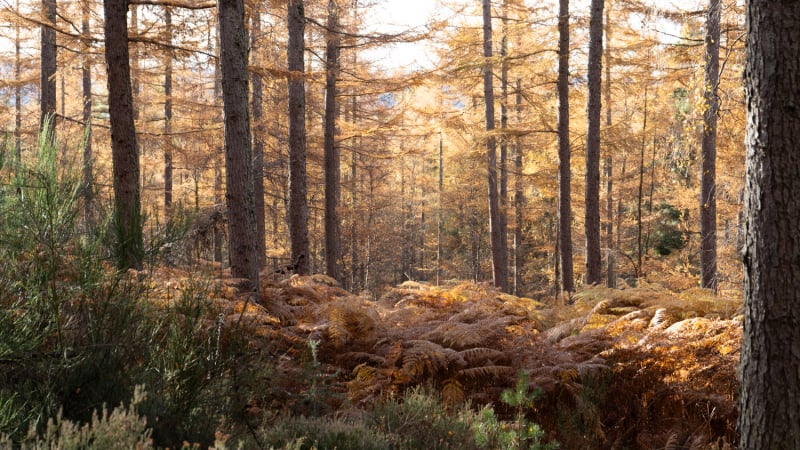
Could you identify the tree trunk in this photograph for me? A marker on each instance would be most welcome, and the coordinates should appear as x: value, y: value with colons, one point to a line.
x: 499, y: 258
x: 519, y: 199
x: 770, y: 396
x: 503, y: 163
x: 439, y: 216
x: 640, y: 250
x: 708, y: 194
x: 258, y: 144
x: 333, y: 246
x: 47, y: 83
x: 298, y: 206
x: 564, y: 176
x: 168, y: 115
x: 124, y: 151
x: 593, y: 109
x: 219, y: 239
x: 611, y: 276
x: 86, y: 79
x: 238, y: 151
x: 17, y: 90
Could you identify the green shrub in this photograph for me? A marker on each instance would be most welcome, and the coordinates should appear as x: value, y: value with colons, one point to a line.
x: 122, y: 429
x: 76, y: 334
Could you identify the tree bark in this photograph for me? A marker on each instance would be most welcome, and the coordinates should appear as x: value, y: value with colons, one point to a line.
x: 238, y: 151
x: 333, y: 246
x: 593, y: 109
x: 86, y: 82
x: 258, y: 144
x: 219, y: 239
x: 124, y: 151
x: 503, y: 163
x: 47, y: 83
x: 499, y: 258
x: 640, y: 248
x: 708, y: 194
x: 17, y: 90
x: 519, y: 199
x: 298, y: 206
x: 168, y: 115
x: 611, y: 275
x: 564, y: 176
x: 770, y: 370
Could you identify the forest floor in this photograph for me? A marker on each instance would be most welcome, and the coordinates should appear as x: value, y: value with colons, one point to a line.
x: 639, y: 367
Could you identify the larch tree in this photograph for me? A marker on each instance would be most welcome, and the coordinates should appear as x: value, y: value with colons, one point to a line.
x: 708, y: 194
x: 333, y: 246
x: 499, y: 258
x: 47, y: 83
x: 257, y: 99
x: 770, y: 362
x: 564, y: 176
x: 86, y: 85
x: 593, y: 109
x: 238, y: 151
x: 608, y: 163
x: 17, y: 88
x: 298, y: 206
x: 168, y: 113
x: 124, y: 150
x: 503, y: 162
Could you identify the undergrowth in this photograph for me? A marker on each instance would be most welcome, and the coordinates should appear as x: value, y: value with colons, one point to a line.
x: 313, y: 366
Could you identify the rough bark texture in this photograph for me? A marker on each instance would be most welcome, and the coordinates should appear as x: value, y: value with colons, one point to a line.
x: 168, y: 115
x: 219, y: 238
x: 708, y: 194
x: 333, y: 246
x: 298, y: 206
x: 564, y: 191
x: 47, y: 82
x: 124, y: 151
x: 499, y: 258
x: 593, y: 109
x: 238, y: 150
x: 258, y: 144
x: 519, y: 200
x: 770, y: 396
x: 86, y: 81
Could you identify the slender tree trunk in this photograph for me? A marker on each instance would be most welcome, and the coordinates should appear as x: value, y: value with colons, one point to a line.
x: 640, y: 250
x: 124, y: 151
x: 333, y: 246
x: 17, y: 90
x: 593, y: 109
x: 86, y: 79
x: 168, y: 115
x: 564, y: 176
x: 439, y: 215
x: 519, y: 199
x: 258, y: 143
x: 499, y: 258
x: 219, y: 239
x: 708, y: 190
x: 354, y: 261
x: 503, y: 163
x: 47, y: 83
x: 238, y: 151
x: 770, y: 372
x: 611, y: 276
x: 298, y: 206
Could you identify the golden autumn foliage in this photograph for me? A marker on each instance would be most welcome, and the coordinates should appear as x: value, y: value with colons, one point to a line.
x: 639, y: 367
